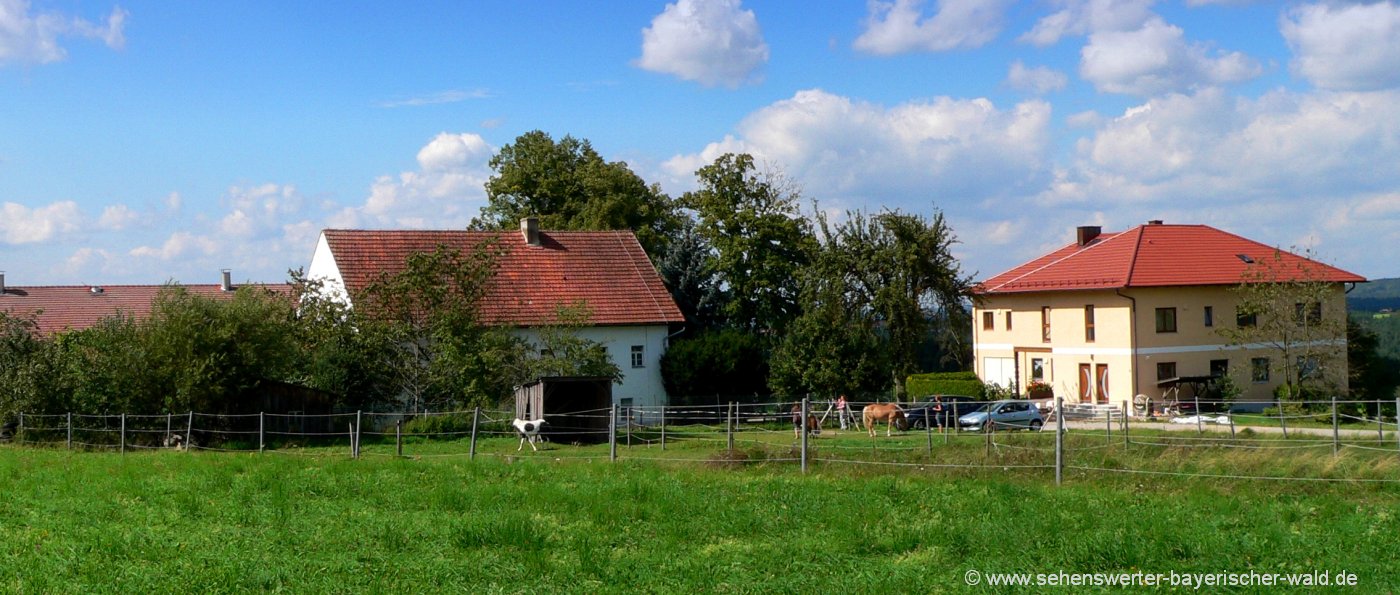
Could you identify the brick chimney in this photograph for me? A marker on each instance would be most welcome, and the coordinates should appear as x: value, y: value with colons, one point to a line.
x: 530, y: 228
x: 1087, y: 233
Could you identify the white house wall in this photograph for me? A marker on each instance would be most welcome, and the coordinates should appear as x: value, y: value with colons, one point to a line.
x: 324, y: 267
x: 641, y: 385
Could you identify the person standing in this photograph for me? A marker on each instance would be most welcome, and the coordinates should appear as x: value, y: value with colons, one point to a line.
x: 843, y: 411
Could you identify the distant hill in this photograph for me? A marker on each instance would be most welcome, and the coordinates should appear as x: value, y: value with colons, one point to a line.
x: 1375, y: 295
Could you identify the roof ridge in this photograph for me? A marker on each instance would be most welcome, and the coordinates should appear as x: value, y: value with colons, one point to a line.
x: 1132, y: 262
x: 1091, y: 246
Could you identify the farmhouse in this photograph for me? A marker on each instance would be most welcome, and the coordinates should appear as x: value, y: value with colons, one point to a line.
x: 76, y: 307
x: 1114, y: 315
x: 538, y: 272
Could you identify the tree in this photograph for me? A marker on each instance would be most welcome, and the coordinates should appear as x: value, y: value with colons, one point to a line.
x: 1371, y: 376
x: 570, y: 187
x: 341, y: 351
x: 688, y: 270
x: 26, y: 367
x: 428, y: 315
x: 759, y: 239
x: 899, y: 271
x: 715, y: 363
x: 562, y: 352
x: 1285, y: 305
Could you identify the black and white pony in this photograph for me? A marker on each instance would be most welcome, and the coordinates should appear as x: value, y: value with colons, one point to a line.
x: 529, y: 431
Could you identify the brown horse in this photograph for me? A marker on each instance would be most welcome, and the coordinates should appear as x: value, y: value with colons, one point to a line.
x: 813, y: 425
x: 889, y: 413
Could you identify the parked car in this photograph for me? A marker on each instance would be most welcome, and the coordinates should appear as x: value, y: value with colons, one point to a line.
x: 1006, y: 415
x: 925, y: 413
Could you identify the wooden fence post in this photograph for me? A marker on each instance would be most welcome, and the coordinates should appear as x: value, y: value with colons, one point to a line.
x: 612, y: 433
x: 19, y: 432
x: 730, y: 426
x: 1199, y: 429
x: 262, y: 426
x: 1335, y: 437
x: 189, y: 433
x: 1126, y: 440
x: 804, y: 434
x: 476, y: 416
x: 1059, y: 438
x: 628, y: 412
x: 1282, y: 419
x: 398, y: 436
x: 928, y: 433
x: 663, y: 427
x: 1380, y: 429
x: 168, y: 420
x: 70, y: 430
x: 123, y: 434
x: 359, y: 428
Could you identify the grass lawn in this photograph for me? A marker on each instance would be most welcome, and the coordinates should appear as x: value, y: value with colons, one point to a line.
x: 215, y: 522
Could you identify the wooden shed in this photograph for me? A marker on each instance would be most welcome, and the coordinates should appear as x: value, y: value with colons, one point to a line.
x: 575, y: 407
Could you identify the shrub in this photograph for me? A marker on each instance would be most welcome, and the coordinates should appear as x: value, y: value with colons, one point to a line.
x: 451, y: 423
x: 945, y: 383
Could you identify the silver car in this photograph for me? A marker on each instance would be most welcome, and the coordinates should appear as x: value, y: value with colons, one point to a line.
x: 1005, y: 415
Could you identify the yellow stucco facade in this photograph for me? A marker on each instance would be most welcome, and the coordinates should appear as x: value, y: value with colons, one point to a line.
x: 1104, y: 346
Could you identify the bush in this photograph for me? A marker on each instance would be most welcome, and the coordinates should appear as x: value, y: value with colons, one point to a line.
x: 945, y: 383
x: 726, y: 362
x: 451, y: 423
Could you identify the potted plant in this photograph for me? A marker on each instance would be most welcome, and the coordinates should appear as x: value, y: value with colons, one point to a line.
x: 1038, y: 389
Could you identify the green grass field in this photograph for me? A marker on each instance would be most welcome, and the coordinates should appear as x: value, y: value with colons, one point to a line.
x: 568, y: 520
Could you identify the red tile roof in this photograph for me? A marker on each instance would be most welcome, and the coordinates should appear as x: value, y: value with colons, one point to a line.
x: 77, y: 307
x: 1152, y: 255
x: 606, y: 269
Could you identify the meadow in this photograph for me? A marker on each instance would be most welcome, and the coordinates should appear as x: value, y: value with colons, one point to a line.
x: 698, y: 518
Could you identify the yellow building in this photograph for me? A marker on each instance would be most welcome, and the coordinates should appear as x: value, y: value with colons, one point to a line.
x: 1139, y: 312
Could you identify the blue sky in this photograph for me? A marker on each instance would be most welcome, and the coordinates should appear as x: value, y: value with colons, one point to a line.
x: 146, y: 141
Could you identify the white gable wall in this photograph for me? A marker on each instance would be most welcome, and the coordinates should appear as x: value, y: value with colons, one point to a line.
x: 642, y: 385
x: 324, y: 267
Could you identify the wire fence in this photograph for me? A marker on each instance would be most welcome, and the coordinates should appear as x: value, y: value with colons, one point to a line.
x: 1324, y: 443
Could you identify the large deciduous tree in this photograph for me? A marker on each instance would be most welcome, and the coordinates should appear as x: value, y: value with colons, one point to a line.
x: 759, y: 239
x: 570, y: 187
x: 889, y: 278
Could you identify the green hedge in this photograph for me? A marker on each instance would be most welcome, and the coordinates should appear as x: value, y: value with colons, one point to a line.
x: 944, y: 383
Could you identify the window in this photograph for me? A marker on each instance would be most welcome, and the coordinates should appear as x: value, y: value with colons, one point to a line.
x: 1308, y: 367
x: 1037, y: 370
x: 1309, y: 313
x: 1210, y: 316
x: 988, y: 321
x: 1220, y: 367
x: 1045, y: 324
x: 638, y: 356
x: 1166, y: 320
x: 1245, y: 319
x: 1260, y: 369
x: 1088, y: 324
x: 1166, y: 370
x: 1008, y: 320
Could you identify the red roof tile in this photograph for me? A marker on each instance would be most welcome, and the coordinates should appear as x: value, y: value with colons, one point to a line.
x: 606, y: 269
x: 1152, y: 255
x: 81, y: 306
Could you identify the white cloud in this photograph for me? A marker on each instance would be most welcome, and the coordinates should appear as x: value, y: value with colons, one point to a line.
x: 117, y: 218
x: 1156, y: 58
x: 1039, y: 80
x: 181, y: 244
x: 1345, y: 47
x: 25, y: 225
x: 1082, y: 17
x: 1279, y: 169
x: 900, y: 26
x: 447, y: 190
x: 713, y: 42
x: 854, y: 152
x: 27, y: 38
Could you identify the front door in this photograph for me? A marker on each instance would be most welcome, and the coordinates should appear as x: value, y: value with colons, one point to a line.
x: 1101, y: 381
x: 1086, y: 384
